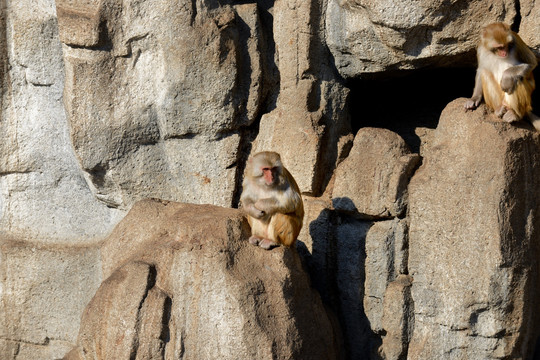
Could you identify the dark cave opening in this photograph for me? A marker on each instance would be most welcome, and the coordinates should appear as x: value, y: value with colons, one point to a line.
x: 411, y: 104
x: 408, y: 103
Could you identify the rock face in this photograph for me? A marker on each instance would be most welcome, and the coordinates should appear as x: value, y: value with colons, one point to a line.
x: 191, y: 286
x: 447, y: 285
x: 376, y: 36
x: 108, y: 102
x: 357, y: 245
x: 133, y: 146
x: 50, y: 223
x: 39, y: 174
x: 530, y: 10
x: 45, y: 288
x: 473, y: 252
x: 309, y: 126
x: 137, y: 145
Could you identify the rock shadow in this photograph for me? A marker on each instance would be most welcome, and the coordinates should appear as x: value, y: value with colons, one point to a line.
x: 337, y: 269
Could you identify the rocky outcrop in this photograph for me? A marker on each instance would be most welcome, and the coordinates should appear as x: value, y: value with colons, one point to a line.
x: 445, y: 285
x: 386, y: 277
x: 357, y: 248
x: 377, y: 36
x: 309, y: 127
x: 202, y: 78
x: 191, y: 286
x: 473, y: 239
x: 107, y: 102
x: 373, y: 180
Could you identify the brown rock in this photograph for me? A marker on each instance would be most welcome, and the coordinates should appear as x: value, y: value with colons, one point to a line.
x: 373, y: 180
x: 79, y: 21
x: 383, y: 263
x: 192, y: 286
x: 474, y: 245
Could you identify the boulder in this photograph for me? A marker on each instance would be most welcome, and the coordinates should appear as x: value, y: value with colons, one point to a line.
x: 358, y: 266
x: 372, y: 181
x: 182, y: 281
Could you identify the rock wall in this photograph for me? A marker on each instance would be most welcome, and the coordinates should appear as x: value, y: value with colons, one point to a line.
x: 420, y: 246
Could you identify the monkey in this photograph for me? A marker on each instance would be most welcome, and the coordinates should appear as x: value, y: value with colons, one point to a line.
x: 271, y: 198
x: 504, y: 76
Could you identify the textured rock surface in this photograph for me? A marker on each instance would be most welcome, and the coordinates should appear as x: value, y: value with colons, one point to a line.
x: 473, y: 241
x: 376, y: 36
x: 528, y: 28
x: 397, y: 318
x: 373, y: 179
x: 353, y: 263
x: 173, y: 81
x: 309, y: 126
x: 193, y: 287
x: 167, y: 99
x: 44, y: 291
x: 385, y: 260
x: 50, y: 222
x: 450, y: 287
x: 42, y: 193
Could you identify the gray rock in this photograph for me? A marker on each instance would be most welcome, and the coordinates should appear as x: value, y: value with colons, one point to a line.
x: 384, y: 252
x: 362, y: 266
x: 352, y: 264
x: 49, y: 220
x: 377, y: 36
x: 309, y: 126
x: 43, y: 195
x: 44, y: 291
x: 349, y: 283
x: 164, y: 100
x: 397, y: 319
x: 528, y: 27
x: 317, y: 246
